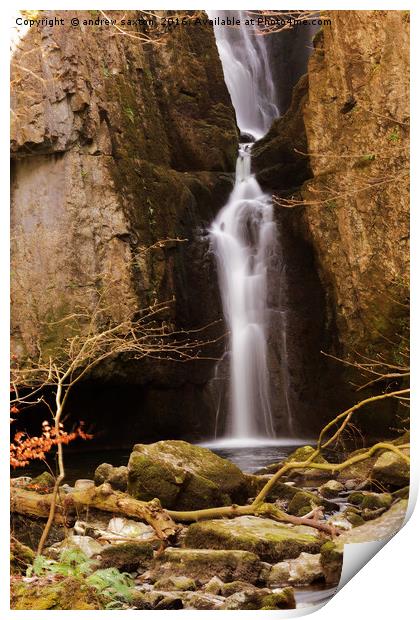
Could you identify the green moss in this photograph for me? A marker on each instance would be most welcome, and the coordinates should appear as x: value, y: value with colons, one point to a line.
x: 331, y: 562
x: 356, y: 498
x: 126, y: 556
x: 271, y: 541
x: 21, y: 557
x: 203, y: 564
x: 373, y: 501
x: 176, y: 583
x: 279, y: 600
x: 184, y: 476
x: 303, y: 502
x: 68, y: 593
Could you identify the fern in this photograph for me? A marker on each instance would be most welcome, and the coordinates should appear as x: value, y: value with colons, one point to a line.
x: 112, y: 583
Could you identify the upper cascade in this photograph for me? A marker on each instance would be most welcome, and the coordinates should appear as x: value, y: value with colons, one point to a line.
x: 247, y: 72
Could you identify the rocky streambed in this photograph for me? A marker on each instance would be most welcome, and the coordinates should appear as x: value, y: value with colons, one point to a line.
x: 97, y: 560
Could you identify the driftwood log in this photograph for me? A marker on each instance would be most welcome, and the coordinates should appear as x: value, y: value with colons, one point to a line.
x: 103, y: 498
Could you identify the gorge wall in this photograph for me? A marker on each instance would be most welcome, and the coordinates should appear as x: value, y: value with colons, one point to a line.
x: 118, y: 144
x: 345, y: 138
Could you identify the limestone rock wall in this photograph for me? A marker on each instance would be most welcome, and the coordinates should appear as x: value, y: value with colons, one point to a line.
x: 357, y: 120
x: 116, y: 145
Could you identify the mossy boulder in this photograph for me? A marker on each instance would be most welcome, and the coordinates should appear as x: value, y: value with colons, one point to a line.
x: 116, y: 476
x: 44, y: 483
x: 301, y: 571
x: 203, y: 564
x: 21, y: 557
x: 183, y: 476
x: 331, y: 562
x: 281, y: 490
x: 373, y: 501
x: 261, y: 599
x: 390, y: 469
x: 126, y: 556
x: 357, y: 471
x: 271, y: 541
x: 176, y: 582
x: 332, y: 488
x: 301, y: 455
x: 304, y: 501
x: 60, y: 594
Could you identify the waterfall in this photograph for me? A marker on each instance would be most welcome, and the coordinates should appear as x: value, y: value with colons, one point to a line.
x: 243, y: 235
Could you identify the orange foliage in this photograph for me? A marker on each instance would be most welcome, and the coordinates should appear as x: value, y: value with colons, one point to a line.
x: 25, y: 449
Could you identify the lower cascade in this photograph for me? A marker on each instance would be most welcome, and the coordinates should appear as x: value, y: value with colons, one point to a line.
x: 244, y: 236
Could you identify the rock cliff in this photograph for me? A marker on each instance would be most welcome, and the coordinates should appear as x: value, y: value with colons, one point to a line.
x: 118, y: 142
x: 350, y: 116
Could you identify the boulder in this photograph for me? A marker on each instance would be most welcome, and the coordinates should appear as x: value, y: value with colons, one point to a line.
x: 44, y: 483
x: 117, y: 477
x: 126, y: 556
x: 356, y: 472
x: 270, y: 540
x: 304, y: 501
x: 214, y: 586
x: 261, y: 599
x: 302, y: 454
x: 203, y: 564
x: 176, y: 582
x: 331, y: 562
x: 120, y: 527
x: 302, y: 571
x: 330, y: 489
x: 60, y: 594
x: 183, y: 476
x: 391, y: 469
x: 202, y: 600
x: 89, y: 546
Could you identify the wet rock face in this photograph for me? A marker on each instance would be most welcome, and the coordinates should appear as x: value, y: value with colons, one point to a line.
x: 113, y: 151
x: 183, y: 476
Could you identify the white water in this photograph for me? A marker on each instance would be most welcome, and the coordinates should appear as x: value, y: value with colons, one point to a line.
x: 243, y: 237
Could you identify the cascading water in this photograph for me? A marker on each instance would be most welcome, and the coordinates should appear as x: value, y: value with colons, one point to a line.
x: 243, y: 235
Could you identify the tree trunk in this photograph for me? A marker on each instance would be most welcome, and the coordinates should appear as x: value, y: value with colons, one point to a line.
x: 102, y: 498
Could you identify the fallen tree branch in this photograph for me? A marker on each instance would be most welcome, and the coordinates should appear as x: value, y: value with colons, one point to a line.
x: 102, y: 498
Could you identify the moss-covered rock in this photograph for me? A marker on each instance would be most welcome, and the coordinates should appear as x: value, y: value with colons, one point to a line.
x: 116, y: 476
x: 44, y: 483
x: 301, y: 571
x: 304, y: 501
x: 126, y: 556
x: 330, y: 489
x: 184, y: 476
x: 261, y: 599
x: 373, y: 501
x: 270, y: 540
x: 279, y: 600
x: 357, y: 471
x: 175, y: 582
x: 60, y: 594
x: 390, y: 469
x: 21, y: 557
x: 203, y: 564
x: 331, y: 562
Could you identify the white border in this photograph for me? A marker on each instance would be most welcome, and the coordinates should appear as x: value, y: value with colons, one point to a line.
x: 387, y: 587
